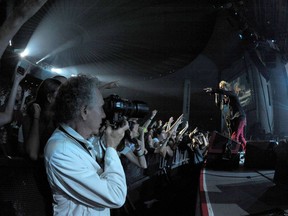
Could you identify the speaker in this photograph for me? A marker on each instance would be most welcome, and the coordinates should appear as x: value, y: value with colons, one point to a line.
x: 281, y: 164
x: 218, y: 142
x: 222, y: 152
x: 260, y: 154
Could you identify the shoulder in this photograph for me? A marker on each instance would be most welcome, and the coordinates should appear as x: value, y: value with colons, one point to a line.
x: 55, y: 142
x: 59, y: 143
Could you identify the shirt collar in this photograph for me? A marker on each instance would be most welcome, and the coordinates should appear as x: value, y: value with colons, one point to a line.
x: 75, y: 134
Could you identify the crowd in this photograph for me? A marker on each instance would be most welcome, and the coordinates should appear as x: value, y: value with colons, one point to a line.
x: 89, y: 165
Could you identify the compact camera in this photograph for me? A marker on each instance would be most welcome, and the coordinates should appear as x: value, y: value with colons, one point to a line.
x: 22, y: 67
x: 20, y: 70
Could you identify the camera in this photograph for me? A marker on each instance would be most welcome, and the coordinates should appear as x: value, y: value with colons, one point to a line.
x: 20, y: 70
x: 23, y: 65
x: 118, y: 109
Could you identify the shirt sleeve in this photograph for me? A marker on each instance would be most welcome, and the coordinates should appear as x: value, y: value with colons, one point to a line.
x: 77, y: 175
x: 223, y: 92
x: 125, y: 150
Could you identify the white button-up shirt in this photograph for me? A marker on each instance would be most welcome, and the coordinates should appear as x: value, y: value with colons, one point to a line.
x: 79, y: 184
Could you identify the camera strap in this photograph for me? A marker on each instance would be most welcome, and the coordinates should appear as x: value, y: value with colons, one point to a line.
x: 73, y: 138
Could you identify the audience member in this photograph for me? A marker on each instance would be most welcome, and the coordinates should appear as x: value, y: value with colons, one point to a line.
x: 6, y: 116
x: 148, y: 122
x: 38, y: 124
x: 199, y: 146
x: 16, y: 148
x: 60, y: 78
x: 133, y: 153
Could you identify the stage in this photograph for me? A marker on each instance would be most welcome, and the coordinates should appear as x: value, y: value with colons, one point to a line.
x: 241, y: 192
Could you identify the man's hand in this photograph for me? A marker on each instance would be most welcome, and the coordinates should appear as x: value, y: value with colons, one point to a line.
x: 110, y: 85
x: 113, y: 137
x: 19, y: 77
x: 154, y: 112
x: 208, y: 90
x: 27, y: 93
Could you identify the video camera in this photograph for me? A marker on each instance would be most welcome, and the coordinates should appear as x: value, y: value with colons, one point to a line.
x: 118, y: 109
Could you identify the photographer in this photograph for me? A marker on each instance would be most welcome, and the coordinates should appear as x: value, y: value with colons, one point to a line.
x: 80, y: 185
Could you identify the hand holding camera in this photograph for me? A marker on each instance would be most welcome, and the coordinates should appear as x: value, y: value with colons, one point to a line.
x: 113, y: 137
x: 21, y: 73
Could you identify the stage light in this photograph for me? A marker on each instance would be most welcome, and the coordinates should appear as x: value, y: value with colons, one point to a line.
x: 10, y: 43
x: 24, y: 53
x: 56, y: 70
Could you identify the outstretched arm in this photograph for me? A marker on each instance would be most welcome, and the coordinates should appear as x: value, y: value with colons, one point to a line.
x: 109, y: 85
x: 148, y: 122
x: 6, y: 116
x: 220, y: 91
x: 31, y: 133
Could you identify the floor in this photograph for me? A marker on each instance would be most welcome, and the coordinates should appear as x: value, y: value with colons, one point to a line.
x: 241, y: 192
x: 221, y: 192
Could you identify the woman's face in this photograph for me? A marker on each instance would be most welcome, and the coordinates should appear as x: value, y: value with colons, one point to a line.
x: 163, y: 135
x: 134, y: 131
x: 173, y: 135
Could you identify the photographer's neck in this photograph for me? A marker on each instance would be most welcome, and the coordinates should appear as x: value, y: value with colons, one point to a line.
x: 80, y: 128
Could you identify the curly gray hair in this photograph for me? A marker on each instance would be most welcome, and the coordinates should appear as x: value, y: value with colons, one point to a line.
x: 72, y: 95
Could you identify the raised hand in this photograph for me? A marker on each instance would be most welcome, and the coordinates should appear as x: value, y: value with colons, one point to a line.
x: 19, y: 77
x: 154, y: 112
x: 208, y: 90
x: 37, y: 111
x: 110, y: 85
x: 27, y: 93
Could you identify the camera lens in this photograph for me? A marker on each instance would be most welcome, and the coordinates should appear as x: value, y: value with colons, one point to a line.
x: 117, y: 108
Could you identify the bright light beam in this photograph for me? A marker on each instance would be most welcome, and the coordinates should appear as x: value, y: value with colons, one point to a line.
x: 56, y: 70
x: 24, y: 53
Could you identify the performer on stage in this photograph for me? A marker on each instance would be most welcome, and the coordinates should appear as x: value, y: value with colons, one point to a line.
x: 236, y: 117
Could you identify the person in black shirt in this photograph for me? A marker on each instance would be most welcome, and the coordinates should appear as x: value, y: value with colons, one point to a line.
x: 237, y: 116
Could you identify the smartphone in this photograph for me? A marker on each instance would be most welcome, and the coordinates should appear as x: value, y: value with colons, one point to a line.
x: 20, y: 70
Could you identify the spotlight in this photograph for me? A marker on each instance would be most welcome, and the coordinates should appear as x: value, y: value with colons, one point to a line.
x: 56, y: 70
x: 24, y: 53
